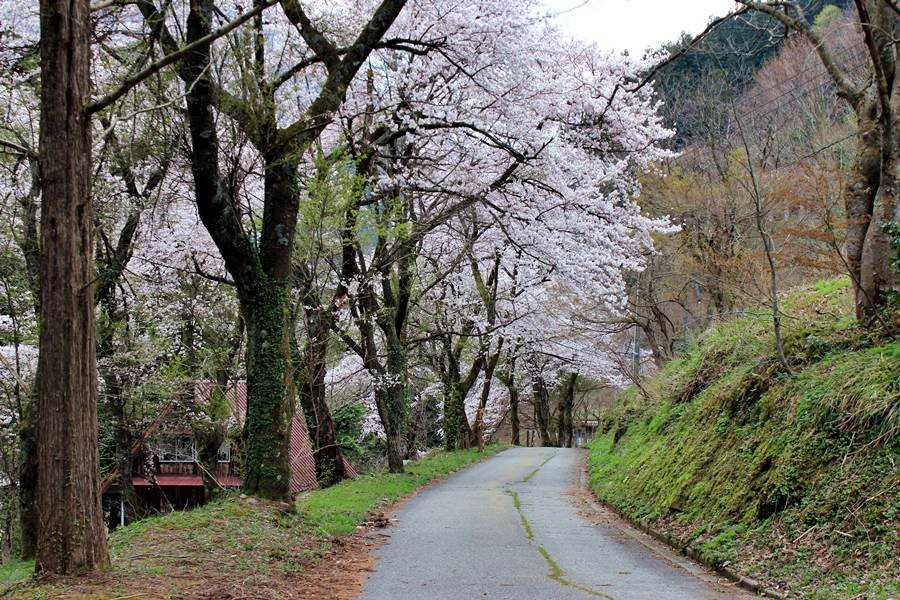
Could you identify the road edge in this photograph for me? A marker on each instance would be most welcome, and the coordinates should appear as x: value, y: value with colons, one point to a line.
x: 363, y: 542
x: 747, y: 583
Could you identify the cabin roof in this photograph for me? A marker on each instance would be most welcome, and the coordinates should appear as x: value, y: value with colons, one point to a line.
x: 303, y: 464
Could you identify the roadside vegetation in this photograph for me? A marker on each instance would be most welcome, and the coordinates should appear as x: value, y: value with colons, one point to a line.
x: 791, y: 478
x: 238, y: 543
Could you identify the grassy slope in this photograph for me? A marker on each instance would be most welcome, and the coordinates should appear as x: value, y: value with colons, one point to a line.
x: 790, y: 478
x: 232, y: 544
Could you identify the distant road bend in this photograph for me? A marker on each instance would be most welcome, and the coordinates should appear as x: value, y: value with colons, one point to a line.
x: 518, y: 526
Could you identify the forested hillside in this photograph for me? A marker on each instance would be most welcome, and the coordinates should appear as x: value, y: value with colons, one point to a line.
x: 720, y: 66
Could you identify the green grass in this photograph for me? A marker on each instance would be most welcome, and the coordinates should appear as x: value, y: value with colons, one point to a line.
x: 211, y: 550
x: 733, y: 455
x: 13, y: 572
x: 339, y: 509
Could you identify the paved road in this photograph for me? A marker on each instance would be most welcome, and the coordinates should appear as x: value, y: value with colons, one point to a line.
x: 518, y: 526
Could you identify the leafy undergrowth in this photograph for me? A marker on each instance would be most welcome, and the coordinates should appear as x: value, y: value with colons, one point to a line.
x: 237, y: 547
x: 788, y: 477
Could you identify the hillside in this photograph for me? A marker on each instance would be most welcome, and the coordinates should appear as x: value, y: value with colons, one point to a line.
x: 789, y: 478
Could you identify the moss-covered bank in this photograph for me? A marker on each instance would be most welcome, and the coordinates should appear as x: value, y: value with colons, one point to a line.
x: 789, y: 478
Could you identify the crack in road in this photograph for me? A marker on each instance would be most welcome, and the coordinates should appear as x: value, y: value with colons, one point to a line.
x: 555, y: 572
x: 539, y: 467
x: 525, y: 524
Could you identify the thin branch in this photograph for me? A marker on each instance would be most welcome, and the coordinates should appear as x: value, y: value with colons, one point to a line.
x: 199, y: 271
x: 168, y: 59
x: 846, y: 89
x: 19, y: 149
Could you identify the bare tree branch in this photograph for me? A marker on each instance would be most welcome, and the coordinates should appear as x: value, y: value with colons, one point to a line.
x: 845, y: 86
x: 173, y: 57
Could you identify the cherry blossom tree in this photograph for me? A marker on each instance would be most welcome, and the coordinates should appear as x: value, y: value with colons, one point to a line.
x: 255, y: 99
x: 546, y: 162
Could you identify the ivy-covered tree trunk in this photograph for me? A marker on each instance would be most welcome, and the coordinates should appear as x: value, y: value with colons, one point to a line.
x: 270, y: 399
x: 457, y: 432
x: 394, y: 399
x: 265, y: 302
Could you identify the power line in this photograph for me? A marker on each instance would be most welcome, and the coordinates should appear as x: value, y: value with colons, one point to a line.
x: 853, y: 64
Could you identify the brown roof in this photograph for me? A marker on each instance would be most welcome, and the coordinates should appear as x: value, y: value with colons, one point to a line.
x: 303, y: 465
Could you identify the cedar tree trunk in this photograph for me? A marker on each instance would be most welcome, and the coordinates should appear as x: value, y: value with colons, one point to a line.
x: 71, y: 533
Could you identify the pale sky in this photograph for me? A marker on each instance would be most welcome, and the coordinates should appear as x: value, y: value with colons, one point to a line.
x: 635, y: 25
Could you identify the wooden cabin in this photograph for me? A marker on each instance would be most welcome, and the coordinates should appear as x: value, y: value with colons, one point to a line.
x: 167, y: 475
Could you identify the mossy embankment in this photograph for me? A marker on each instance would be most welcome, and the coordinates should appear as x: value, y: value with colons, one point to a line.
x: 789, y: 477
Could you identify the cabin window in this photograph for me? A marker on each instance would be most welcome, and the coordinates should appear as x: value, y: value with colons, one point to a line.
x: 176, y: 449
x: 224, y: 455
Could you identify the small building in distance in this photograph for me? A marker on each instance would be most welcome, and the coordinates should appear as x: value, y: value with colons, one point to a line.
x: 167, y: 475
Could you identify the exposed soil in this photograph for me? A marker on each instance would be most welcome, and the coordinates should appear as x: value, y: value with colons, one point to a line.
x: 341, y: 573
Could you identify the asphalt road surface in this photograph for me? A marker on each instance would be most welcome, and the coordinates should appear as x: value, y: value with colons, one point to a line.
x: 520, y: 526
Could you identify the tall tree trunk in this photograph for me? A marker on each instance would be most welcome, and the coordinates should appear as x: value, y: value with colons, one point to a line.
x: 311, y: 388
x: 270, y: 399
x: 541, y: 401
x: 859, y: 197
x: 879, y: 278
x: 489, y: 368
x: 514, y: 414
x: 71, y: 532
x: 124, y: 440
x: 457, y: 431
x: 270, y: 385
x: 395, y: 404
x: 507, y: 376
x: 565, y: 427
